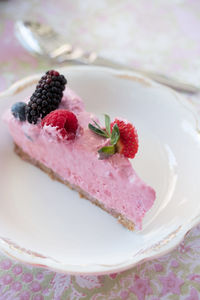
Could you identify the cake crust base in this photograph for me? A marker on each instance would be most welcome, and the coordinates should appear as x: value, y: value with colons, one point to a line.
x: 121, y: 219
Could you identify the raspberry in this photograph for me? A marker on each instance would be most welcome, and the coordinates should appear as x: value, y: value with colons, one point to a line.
x: 128, y: 142
x: 47, y: 96
x: 65, y: 122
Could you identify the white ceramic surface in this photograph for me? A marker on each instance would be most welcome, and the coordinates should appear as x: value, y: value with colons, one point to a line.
x: 43, y: 222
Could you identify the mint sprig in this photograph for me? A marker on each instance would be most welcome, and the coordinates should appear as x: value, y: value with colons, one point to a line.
x: 106, y: 151
x: 115, y: 135
x: 98, y: 131
x: 107, y: 123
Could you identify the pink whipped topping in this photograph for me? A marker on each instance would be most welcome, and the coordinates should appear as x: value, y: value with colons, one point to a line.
x: 112, y: 181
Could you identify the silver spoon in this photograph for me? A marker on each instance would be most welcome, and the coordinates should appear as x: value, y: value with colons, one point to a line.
x: 42, y: 40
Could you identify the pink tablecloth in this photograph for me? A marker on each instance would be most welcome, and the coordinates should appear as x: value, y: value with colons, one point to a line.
x: 159, y: 35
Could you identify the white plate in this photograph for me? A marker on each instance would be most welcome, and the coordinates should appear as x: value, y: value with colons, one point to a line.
x: 42, y: 222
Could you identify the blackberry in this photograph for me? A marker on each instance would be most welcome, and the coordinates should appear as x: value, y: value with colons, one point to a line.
x: 47, y: 96
x: 18, y: 110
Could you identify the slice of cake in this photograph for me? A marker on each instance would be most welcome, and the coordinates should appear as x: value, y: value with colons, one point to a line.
x: 53, y: 131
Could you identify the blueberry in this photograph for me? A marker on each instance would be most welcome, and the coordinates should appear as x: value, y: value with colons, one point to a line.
x: 18, y: 110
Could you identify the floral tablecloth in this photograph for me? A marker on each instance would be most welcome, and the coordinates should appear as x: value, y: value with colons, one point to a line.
x: 160, y: 35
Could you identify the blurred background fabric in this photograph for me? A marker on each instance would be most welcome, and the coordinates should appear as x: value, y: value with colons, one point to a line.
x: 159, y: 35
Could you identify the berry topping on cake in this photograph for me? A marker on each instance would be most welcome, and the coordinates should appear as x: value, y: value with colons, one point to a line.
x: 123, y: 138
x: 47, y: 96
x: 18, y: 111
x: 128, y: 141
x: 65, y: 122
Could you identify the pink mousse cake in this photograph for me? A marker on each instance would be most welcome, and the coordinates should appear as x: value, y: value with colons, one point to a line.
x: 58, y: 139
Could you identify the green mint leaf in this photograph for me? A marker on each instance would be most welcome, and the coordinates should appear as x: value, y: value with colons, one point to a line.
x: 106, y: 151
x: 97, y: 130
x: 107, y: 123
x: 115, y: 135
x: 97, y: 124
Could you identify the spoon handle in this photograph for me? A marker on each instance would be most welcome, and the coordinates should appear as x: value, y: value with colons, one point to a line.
x: 160, y: 78
x: 43, y: 41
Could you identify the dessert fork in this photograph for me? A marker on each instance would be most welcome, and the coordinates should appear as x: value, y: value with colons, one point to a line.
x: 42, y: 40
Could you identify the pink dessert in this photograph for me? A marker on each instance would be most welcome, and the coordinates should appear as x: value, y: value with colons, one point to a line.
x: 110, y: 183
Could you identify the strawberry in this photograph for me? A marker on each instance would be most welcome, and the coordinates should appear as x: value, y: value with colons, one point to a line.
x: 65, y: 122
x: 123, y: 138
x: 128, y: 140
